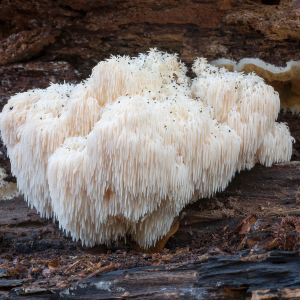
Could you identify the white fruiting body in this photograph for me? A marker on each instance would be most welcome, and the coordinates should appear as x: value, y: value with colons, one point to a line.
x: 126, y: 150
x: 285, y: 79
x: 247, y: 105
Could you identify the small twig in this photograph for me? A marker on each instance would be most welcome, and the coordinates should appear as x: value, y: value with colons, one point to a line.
x: 75, y: 263
x: 103, y: 269
x: 239, y: 225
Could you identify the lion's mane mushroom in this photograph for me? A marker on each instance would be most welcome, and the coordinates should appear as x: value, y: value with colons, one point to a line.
x: 250, y: 107
x: 285, y: 80
x: 126, y: 150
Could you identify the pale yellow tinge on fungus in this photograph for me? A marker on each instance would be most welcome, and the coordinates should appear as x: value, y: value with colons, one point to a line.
x: 285, y: 80
x: 126, y: 150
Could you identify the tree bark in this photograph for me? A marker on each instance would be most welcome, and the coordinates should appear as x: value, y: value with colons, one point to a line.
x: 264, y: 275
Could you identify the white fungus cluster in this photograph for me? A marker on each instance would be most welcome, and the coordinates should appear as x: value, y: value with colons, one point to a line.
x: 124, y: 151
x: 286, y: 80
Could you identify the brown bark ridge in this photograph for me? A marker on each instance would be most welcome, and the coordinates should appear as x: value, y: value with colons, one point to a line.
x: 83, y: 33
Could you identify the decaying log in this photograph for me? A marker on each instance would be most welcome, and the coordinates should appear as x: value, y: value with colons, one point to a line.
x: 263, y: 275
x: 264, y: 192
x: 52, y: 41
x: 217, y: 278
x: 202, y: 227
